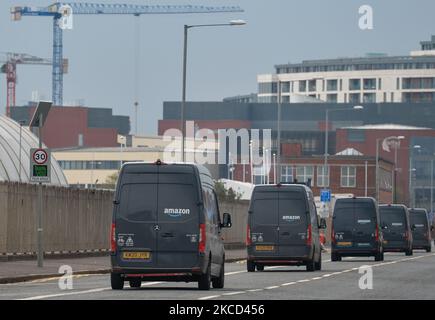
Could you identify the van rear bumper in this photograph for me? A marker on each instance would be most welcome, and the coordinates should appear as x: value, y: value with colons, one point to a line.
x: 279, y: 261
x: 181, y: 275
x: 421, y: 244
x: 356, y: 252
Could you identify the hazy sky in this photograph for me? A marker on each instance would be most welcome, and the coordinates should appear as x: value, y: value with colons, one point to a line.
x: 222, y: 61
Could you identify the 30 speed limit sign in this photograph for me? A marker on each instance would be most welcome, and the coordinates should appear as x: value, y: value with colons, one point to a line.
x: 40, y: 165
x: 40, y: 156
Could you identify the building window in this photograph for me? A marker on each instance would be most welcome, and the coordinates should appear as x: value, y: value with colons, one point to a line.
x: 286, y: 174
x: 348, y: 176
x: 392, y: 96
x: 322, y: 176
x: 285, y: 99
x: 267, y: 87
x: 331, y: 98
x: 341, y: 84
x: 302, y: 86
x: 369, y: 97
x: 369, y: 84
x: 380, y: 84
x: 345, y: 98
x: 398, y: 83
x: 385, y: 97
x: 354, y: 98
x: 354, y: 84
x: 355, y: 135
x: 285, y: 86
x: 312, y: 85
x: 331, y: 85
x: 304, y: 173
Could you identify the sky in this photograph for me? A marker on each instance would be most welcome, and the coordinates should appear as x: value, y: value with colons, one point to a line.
x: 222, y: 61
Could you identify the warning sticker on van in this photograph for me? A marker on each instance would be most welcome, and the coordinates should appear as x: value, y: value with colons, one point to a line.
x: 175, y: 213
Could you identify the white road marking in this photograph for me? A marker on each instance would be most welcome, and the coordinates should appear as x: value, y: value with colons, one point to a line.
x: 288, y: 284
x: 254, y: 290
x: 66, y: 294
x: 271, y: 287
x: 316, y: 278
x: 209, y: 297
x: 232, y: 293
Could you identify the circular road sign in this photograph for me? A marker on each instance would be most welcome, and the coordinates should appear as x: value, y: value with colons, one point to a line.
x: 40, y: 156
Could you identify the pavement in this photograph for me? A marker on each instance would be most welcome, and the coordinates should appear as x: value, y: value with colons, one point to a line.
x: 398, y: 277
x: 27, y: 270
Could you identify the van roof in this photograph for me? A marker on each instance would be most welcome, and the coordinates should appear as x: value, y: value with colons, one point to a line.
x: 272, y: 187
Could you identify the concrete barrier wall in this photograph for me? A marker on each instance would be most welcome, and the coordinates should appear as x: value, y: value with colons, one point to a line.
x: 74, y: 220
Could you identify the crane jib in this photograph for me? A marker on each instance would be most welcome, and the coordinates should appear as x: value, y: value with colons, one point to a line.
x: 83, y: 8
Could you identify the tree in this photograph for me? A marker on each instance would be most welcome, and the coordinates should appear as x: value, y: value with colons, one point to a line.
x: 225, y: 194
x: 112, y: 179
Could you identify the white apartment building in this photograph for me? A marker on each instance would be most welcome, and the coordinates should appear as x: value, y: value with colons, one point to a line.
x: 376, y: 78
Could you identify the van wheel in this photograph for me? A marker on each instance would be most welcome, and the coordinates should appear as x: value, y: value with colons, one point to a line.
x: 116, y: 281
x: 318, y: 264
x: 135, y: 283
x: 409, y: 252
x: 205, y: 279
x: 379, y: 256
x: 335, y: 257
x: 429, y: 249
x: 218, y: 283
x: 260, y: 268
x: 250, y: 266
x: 311, y: 265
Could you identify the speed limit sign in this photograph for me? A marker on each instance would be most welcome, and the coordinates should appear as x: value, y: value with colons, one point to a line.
x: 40, y: 165
x: 40, y: 156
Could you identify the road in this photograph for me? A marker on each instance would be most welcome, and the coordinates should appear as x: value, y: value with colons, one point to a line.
x: 398, y: 277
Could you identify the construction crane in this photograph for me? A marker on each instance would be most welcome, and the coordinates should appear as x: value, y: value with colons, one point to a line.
x: 62, y: 13
x: 11, y: 60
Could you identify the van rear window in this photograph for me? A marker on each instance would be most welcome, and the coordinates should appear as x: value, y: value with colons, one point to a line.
x: 265, y: 211
x: 419, y: 219
x: 292, y: 212
x: 393, y: 218
x: 355, y: 214
x: 138, y: 202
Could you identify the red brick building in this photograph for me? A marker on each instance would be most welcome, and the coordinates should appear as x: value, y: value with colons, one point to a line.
x: 78, y: 126
x: 364, y: 138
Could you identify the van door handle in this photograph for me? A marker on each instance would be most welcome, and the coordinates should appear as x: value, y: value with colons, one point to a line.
x: 168, y: 235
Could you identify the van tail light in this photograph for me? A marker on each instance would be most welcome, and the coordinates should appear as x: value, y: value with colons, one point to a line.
x: 113, y: 239
x: 377, y: 234
x: 248, y: 236
x: 309, y: 235
x: 202, y: 238
x: 332, y: 236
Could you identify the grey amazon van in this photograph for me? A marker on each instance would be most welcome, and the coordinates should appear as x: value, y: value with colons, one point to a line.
x: 421, y: 229
x: 166, y: 226
x: 396, y: 228
x: 356, y: 229
x: 283, y: 227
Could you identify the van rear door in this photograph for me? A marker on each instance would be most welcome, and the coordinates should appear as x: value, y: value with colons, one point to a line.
x: 293, y: 221
x: 343, y: 224
x: 264, y: 223
x: 178, y: 217
x: 136, y: 219
x: 394, y: 219
x: 419, y: 220
x: 365, y: 225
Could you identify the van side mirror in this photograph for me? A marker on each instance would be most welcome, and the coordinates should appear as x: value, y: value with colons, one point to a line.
x: 322, y: 224
x: 115, y: 202
x: 383, y: 227
x: 431, y: 228
x: 413, y: 227
x: 226, y: 221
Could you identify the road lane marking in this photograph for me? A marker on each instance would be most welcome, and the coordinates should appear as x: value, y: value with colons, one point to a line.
x: 318, y: 278
x: 66, y: 294
x: 209, y: 297
x: 232, y: 293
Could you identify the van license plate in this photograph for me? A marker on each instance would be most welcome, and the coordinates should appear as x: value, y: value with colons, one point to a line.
x: 344, y: 244
x: 136, y: 255
x: 264, y: 248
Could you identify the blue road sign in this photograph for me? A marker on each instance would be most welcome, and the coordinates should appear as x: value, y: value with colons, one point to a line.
x: 325, y: 195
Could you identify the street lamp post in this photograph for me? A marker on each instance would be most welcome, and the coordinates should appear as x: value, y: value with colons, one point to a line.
x: 21, y: 122
x: 411, y: 170
x: 183, y: 101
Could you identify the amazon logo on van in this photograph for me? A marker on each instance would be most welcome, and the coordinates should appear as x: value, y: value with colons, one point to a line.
x: 176, y: 212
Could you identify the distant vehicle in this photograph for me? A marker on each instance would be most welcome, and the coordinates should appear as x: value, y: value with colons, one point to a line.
x: 421, y: 233
x: 283, y: 228
x: 167, y: 226
x: 396, y: 228
x: 356, y: 229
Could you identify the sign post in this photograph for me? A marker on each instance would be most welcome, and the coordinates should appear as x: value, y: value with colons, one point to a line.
x: 40, y: 169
